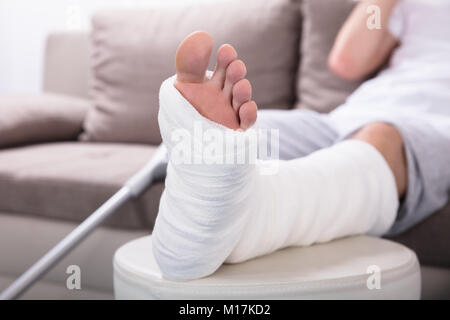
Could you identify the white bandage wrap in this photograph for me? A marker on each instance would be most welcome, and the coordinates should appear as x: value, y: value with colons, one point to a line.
x: 214, y: 211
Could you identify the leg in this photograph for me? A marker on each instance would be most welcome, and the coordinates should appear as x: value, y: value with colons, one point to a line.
x: 389, y: 142
x: 415, y: 148
x: 427, y: 187
x: 216, y: 211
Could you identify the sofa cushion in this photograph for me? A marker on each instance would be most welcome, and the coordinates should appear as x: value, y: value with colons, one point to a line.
x: 133, y: 52
x: 317, y: 87
x: 69, y: 180
x: 33, y: 118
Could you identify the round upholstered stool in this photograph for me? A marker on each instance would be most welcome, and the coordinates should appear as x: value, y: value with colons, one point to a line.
x: 350, y: 268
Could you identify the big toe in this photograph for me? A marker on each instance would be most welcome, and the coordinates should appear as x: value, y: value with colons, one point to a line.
x: 192, y: 57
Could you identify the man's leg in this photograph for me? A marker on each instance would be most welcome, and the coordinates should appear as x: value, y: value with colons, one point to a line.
x: 417, y: 152
x: 389, y: 142
x: 215, y: 211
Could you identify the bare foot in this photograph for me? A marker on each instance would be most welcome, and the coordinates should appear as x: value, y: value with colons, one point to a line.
x: 226, y: 97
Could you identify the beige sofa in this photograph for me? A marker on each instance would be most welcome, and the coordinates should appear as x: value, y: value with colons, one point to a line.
x: 40, y: 203
x: 47, y: 188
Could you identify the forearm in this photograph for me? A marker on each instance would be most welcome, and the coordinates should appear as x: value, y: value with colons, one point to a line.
x: 358, y: 50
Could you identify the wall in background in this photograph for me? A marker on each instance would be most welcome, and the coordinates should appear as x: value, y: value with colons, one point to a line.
x: 24, y: 25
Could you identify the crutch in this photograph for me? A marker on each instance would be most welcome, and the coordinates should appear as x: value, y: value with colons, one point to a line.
x: 153, y: 170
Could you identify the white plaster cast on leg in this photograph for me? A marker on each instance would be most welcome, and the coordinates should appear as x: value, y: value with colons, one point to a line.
x: 213, y: 212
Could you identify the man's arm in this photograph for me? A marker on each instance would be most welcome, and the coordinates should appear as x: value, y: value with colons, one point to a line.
x: 358, y: 51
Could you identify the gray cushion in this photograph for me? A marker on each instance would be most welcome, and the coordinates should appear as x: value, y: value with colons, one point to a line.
x: 69, y: 180
x: 317, y: 87
x: 133, y: 52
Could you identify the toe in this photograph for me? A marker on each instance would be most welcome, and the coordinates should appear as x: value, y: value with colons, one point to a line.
x: 192, y: 57
x: 247, y: 114
x: 235, y: 72
x: 225, y: 55
x: 242, y: 92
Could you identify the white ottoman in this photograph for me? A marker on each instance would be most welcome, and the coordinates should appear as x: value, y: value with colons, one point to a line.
x: 349, y: 268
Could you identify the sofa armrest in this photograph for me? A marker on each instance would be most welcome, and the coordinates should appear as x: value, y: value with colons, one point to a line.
x: 28, y: 119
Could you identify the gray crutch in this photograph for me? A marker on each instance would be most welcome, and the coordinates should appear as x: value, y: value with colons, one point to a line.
x: 155, y: 169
